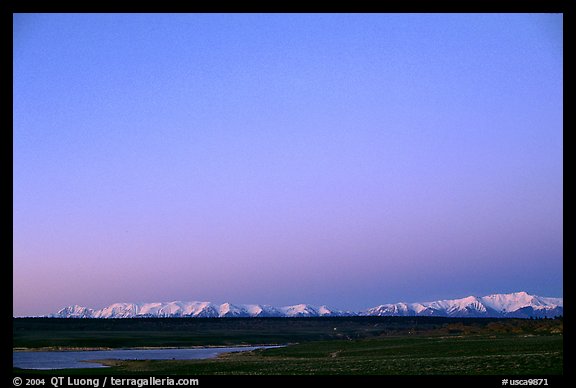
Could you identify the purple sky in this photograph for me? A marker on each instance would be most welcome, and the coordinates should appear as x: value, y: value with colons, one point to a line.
x: 348, y: 160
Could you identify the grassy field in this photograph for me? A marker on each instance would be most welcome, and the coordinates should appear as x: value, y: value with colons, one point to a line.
x: 367, y: 345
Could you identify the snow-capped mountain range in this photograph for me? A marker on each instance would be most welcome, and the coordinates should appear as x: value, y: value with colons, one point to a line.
x: 517, y: 305
x: 196, y: 310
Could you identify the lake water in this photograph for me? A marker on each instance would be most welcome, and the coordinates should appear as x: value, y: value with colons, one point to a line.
x: 73, y: 359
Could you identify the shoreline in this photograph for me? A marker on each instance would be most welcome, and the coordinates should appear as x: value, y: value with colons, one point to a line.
x: 101, y: 348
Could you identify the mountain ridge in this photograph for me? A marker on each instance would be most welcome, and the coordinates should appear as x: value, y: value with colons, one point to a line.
x: 513, y: 305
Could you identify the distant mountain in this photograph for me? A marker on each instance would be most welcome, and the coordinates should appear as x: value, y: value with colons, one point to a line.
x: 515, y: 305
x: 196, y: 310
x: 75, y: 312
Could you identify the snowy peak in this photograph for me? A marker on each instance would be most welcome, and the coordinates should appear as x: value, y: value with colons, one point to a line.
x: 118, y: 310
x: 518, y: 300
x: 230, y: 310
x: 76, y: 311
x: 299, y: 310
x: 518, y: 304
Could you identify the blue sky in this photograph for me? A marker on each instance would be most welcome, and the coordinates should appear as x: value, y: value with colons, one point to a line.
x: 340, y: 159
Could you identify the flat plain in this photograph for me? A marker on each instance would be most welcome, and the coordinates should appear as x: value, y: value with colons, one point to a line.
x: 316, y: 346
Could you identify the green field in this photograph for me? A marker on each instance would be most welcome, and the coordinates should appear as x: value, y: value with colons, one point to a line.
x: 353, y: 345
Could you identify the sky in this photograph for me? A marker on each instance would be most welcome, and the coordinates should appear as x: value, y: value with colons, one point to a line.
x: 341, y: 159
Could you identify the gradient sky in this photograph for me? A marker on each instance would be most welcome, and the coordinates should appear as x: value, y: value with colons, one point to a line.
x: 341, y: 159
